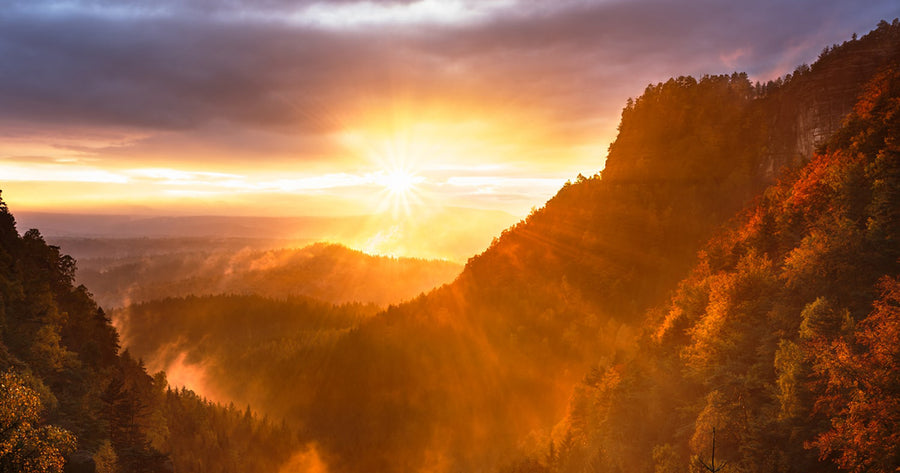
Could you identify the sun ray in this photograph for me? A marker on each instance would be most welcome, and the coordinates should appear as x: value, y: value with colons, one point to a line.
x: 400, y: 191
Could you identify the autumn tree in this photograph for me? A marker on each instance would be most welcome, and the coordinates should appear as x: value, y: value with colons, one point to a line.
x: 26, y: 444
x: 861, y: 382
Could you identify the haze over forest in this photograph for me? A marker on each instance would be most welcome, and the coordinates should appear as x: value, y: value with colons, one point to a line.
x: 442, y: 236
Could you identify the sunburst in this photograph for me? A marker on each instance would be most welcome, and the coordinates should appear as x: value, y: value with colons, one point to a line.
x: 400, y: 190
x: 400, y: 182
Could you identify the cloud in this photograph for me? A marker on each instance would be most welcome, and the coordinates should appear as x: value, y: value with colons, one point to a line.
x: 242, y: 81
x: 36, y: 170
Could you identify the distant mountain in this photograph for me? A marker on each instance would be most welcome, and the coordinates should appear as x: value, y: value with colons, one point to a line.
x: 333, y: 273
x: 200, y: 226
x: 472, y: 373
x: 415, y: 234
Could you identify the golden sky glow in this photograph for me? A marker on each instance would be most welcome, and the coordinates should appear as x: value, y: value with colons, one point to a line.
x: 310, y: 108
x: 451, y: 164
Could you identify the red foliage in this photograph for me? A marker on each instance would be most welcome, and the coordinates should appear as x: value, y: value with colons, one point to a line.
x: 862, y: 391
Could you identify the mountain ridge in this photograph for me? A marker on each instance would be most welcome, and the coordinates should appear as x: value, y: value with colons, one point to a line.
x: 324, y: 271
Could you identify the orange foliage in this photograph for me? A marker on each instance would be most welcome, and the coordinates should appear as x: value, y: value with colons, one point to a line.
x: 862, y: 391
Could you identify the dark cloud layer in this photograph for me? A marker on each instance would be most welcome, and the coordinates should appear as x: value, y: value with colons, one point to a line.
x: 177, y: 65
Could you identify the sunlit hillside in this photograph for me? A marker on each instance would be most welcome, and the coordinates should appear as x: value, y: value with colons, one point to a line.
x: 568, y: 289
x: 328, y: 272
x: 783, y: 338
x: 295, y: 237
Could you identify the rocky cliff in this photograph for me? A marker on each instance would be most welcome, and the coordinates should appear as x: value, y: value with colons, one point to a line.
x: 810, y: 104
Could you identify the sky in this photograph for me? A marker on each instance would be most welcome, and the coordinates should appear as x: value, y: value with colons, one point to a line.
x: 305, y: 107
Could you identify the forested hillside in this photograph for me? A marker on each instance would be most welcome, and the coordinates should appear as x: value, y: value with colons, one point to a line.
x: 474, y: 373
x: 67, y: 392
x: 783, y: 338
x: 242, y: 347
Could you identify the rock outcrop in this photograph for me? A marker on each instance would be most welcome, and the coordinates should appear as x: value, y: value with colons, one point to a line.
x: 810, y: 104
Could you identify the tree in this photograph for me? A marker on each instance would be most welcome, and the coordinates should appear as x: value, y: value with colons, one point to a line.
x: 26, y: 446
x: 862, y: 390
x: 106, y: 459
x: 712, y: 467
x: 125, y: 412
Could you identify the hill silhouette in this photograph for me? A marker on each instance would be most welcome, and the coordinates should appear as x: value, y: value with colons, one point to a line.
x: 328, y: 272
x: 434, y: 232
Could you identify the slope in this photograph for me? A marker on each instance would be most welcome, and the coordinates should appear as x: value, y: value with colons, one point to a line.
x: 461, y: 378
x: 783, y: 338
x: 68, y: 397
x: 457, y: 379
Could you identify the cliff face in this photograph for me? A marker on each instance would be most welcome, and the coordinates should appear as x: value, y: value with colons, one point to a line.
x: 811, y: 103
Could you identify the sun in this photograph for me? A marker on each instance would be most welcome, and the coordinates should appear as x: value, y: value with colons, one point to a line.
x: 401, y: 190
x: 400, y: 182
x: 398, y: 169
